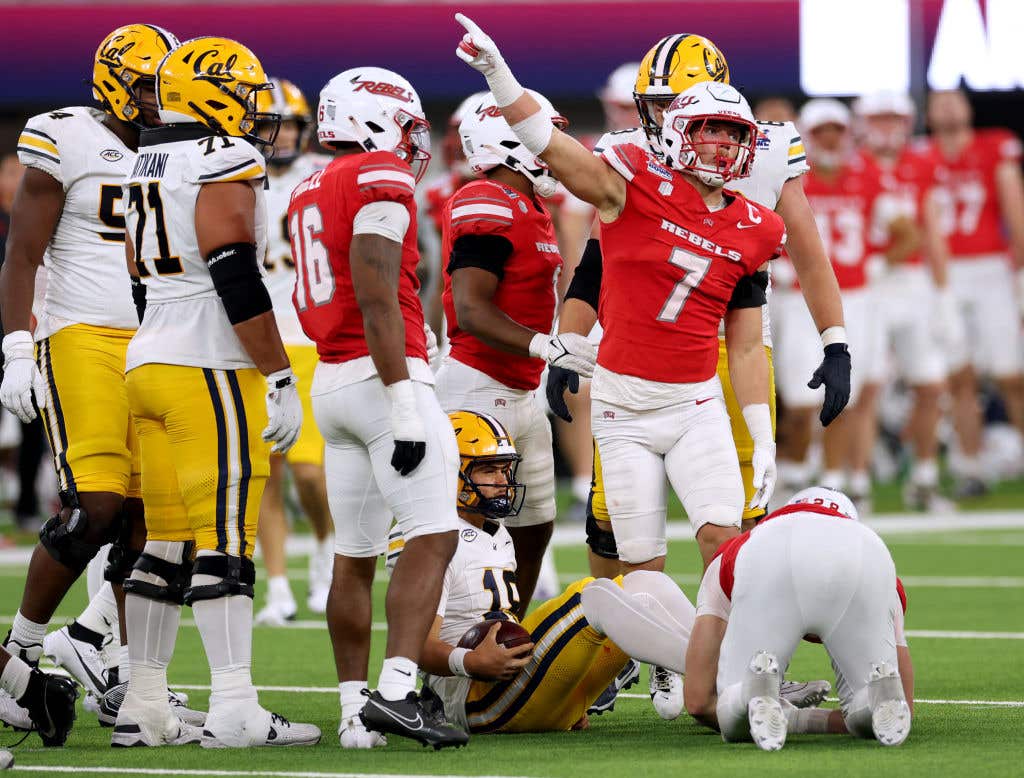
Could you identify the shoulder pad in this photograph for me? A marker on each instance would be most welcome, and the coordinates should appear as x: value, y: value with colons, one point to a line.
x: 634, y: 135
x: 219, y: 159
x: 483, y: 208
x: 40, y: 142
x: 382, y: 175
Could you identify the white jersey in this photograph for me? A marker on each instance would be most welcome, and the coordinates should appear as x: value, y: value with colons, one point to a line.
x: 779, y: 156
x: 87, y: 282
x: 278, y: 262
x: 185, y: 321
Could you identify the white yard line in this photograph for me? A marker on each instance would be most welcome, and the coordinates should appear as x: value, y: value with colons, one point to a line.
x: 278, y: 773
x: 992, y: 703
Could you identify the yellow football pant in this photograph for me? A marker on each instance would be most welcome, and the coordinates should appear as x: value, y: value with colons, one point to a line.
x: 87, y: 419
x: 309, y: 448
x: 571, y: 665
x: 740, y: 435
x: 206, y: 423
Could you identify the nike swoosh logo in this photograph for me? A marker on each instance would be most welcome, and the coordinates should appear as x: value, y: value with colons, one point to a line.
x: 418, y: 721
x: 705, y: 400
x: 742, y: 226
x: 404, y: 672
x: 100, y: 683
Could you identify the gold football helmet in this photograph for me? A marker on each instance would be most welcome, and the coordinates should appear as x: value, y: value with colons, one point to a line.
x: 483, y: 440
x: 673, y: 65
x: 215, y: 82
x: 127, y: 56
x: 287, y: 101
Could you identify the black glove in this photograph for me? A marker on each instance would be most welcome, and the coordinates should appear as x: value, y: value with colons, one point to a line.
x: 560, y: 379
x: 834, y: 373
x: 408, y: 455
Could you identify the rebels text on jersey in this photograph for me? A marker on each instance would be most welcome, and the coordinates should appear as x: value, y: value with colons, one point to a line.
x: 968, y: 194
x: 670, y: 267
x: 320, y: 217
x: 526, y: 288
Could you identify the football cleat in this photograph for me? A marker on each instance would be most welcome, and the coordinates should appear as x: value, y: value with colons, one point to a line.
x: 235, y: 728
x: 918, y: 497
x: 12, y: 714
x: 276, y: 613
x: 890, y: 714
x: 768, y: 722
x: 140, y: 724
x: 628, y: 676
x: 666, y: 688
x: 804, y: 694
x: 410, y: 718
x: 79, y: 657
x: 111, y: 701
x: 353, y: 734
x: 50, y: 702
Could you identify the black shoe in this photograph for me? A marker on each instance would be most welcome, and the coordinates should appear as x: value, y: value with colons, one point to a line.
x: 969, y: 488
x: 412, y: 719
x: 50, y: 701
x: 627, y: 677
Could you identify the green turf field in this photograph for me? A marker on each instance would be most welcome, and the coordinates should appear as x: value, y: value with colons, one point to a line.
x: 966, y: 622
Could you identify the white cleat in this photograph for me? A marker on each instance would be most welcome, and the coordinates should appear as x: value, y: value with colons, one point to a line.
x: 110, y: 705
x: 666, y: 688
x: 317, y: 599
x: 804, y: 694
x: 13, y: 715
x: 276, y: 613
x: 81, y: 659
x: 767, y: 723
x: 141, y: 724
x: 244, y: 727
x: 890, y: 714
x: 353, y: 734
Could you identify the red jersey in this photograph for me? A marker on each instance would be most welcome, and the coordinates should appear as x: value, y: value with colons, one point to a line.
x: 843, y: 208
x: 730, y: 549
x: 320, y: 218
x: 670, y: 267
x: 526, y: 291
x: 971, y: 217
x: 438, y: 193
x: 909, y: 183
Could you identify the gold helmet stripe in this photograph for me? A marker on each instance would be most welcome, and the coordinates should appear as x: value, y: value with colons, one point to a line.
x: 660, y: 65
x: 169, y: 40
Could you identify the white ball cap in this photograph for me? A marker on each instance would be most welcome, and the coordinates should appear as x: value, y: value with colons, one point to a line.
x: 828, y: 498
x: 878, y: 103
x: 621, y: 83
x: 821, y: 111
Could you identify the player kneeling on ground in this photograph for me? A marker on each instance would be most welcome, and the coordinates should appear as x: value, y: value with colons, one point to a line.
x: 808, y: 571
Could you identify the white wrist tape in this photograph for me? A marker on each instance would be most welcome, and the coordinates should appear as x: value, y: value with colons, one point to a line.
x: 18, y: 345
x: 457, y: 662
x: 831, y: 335
x: 539, y: 346
x: 759, y: 422
x: 535, y: 132
x: 402, y: 394
x: 504, y: 86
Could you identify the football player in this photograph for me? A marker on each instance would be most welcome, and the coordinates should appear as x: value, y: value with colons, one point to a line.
x: 808, y: 571
x: 48, y: 699
x: 390, y: 451
x: 69, y: 211
x: 287, y: 165
x: 919, y: 317
x: 210, y: 388
x: 982, y: 196
x: 499, y: 298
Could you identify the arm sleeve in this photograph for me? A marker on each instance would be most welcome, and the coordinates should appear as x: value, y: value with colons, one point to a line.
x: 487, y: 252
x: 382, y: 217
x: 751, y: 291
x: 711, y: 599
x: 38, y: 146
x: 586, y: 280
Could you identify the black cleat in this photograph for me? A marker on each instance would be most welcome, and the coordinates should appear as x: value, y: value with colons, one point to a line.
x: 412, y: 718
x: 50, y: 701
x: 628, y: 676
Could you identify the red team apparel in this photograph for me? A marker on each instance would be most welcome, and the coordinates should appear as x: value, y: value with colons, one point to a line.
x: 910, y: 182
x: 670, y: 267
x: 320, y: 218
x: 967, y: 185
x: 437, y: 195
x: 526, y: 290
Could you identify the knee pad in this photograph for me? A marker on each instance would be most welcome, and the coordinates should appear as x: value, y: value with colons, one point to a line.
x: 237, y: 576
x: 161, y: 572
x: 122, y: 558
x: 65, y: 540
x: 601, y: 541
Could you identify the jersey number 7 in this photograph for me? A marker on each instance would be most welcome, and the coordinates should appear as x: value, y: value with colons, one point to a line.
x: 696, y: 268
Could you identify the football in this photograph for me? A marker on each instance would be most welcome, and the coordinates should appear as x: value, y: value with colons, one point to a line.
x: 510, y: 634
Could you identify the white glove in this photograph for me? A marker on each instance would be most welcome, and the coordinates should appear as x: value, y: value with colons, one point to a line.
x: 284, y: 410
x: 407, y: 427
x: 353, y: 734
x: 481, y: 53
x: 432, y: 347
x: 568, y: 350
x: 22, y: 378
x: 759, y: 423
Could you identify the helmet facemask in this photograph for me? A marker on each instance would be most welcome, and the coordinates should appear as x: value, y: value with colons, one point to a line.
x: 650, y: 108
x: 681, y: 148
x: 508, y: 500
x: 254, y: 120
x: 414, y: 147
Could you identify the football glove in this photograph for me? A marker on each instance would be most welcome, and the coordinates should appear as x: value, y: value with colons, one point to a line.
x: 22, y: 379
x: 407, y: 428
x: 432, y: 347
x: 477, y: 49
x: 759, y: 422
x: 284, y: 410
x: 567, y: 350
x: 834, y: 374
x: 560, y: 379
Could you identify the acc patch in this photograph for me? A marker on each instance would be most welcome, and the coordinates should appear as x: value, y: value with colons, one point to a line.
x: 469, y: 535
x: 111, y: 155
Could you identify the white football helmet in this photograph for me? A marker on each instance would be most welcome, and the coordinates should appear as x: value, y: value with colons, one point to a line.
x: 488, y: 142
x: 685, y: 120
x: 454, y: 156
x: 379, y: 110
x: 828, y: 498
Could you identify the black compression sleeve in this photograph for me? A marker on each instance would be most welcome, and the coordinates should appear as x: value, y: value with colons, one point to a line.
x: 236, y: 277
x: 586, y: 281
x: 751, y: 291
x: 487, y: 252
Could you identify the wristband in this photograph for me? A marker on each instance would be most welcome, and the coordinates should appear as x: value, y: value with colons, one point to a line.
x: 504, y: 86
x: 535, y: 132
x: 402, y: 394
x: 281, y: 379
x: 539, y: 346
x: 759, y: 422
x: 831, y: 335
x: 457, y: 662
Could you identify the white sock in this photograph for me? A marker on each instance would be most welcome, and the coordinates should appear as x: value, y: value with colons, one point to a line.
x: 806, y: 721
x: 793, y: 475
x: 26, y: 638
x: 278, y: 589
x: 100, y: 615
x: 14, y: 679
x: 352, y: 699
x: 833, y: 479
x: 925, y: 472
x: 732, y: 714
x: 581, y: 488
x: 970, y: 467
x: 860, y: 483
x: 397, y: 678
x: 94, y: 572
x: 124, y: 663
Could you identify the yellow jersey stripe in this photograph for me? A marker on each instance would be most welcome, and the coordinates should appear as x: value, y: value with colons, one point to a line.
x: 37, y: 143
x: 796, y: 150
x: 253, y: 171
